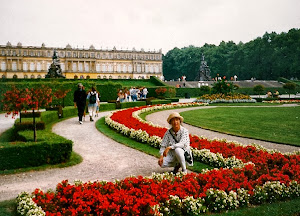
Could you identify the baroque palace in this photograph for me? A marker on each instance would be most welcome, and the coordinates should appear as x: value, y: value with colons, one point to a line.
x: 33, y: 62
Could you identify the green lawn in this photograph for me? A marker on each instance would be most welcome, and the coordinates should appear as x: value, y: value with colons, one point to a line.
x: 276, y: 124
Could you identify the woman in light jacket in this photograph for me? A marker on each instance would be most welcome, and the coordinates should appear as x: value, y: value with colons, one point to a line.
x: 94, y: 101
x: 175, y: 147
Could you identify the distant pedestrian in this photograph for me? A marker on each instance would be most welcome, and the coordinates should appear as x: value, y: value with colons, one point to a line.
x: 80, y: 101
x: 94, y: 101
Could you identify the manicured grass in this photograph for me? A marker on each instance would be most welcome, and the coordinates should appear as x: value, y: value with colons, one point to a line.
x: 244, y: 104
x: 8, y: 208
x: 275, y: 124
x: 143, y: 147
x: 287, y: 208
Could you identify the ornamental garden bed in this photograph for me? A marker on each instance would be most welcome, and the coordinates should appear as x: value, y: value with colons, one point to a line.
x: 246, y: 175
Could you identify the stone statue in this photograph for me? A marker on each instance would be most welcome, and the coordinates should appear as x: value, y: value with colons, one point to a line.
x: 204, y: 71
x: 54, y: 70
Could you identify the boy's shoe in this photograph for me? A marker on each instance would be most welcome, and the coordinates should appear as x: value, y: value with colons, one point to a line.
x: 91, y: 118
x: 80, y: 122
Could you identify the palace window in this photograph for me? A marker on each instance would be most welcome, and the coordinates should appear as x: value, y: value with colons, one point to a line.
x: 98, y: 68
x: 98, y: 77
x: 31, y: 53
x: 14, y: 66
x: 69, y: 54
x: 25, y: 66
x: 32, y: 76
x: 38, y: 53
x: 3, y: 76
x: 74, y: 54
x: 86, y: 67
x: 146, y: 68
x: 98, y: 55
x: 119, y: 68
x: 119, y: 77
x: 39, y: 76
x: 48, y: 54
x: 130, y: 68
x: 62, y: 65
x: 31, y: 66
x: 25, y: 77
x: 110, y: 77
x: 103, y: 67
x: 3, y: 52
x: 74, y: 67
x: 139, y: 68
x: 15, y: 76
x: 124, y: 68
x: 14, y: 53
x: 80, y: 55
x: 38, y: 66
x: 80, y: 67
x: 110, y: 68
x: 86, y: 55
x: 25, y: 53
x: 92, y: 55
x: 3, y: 66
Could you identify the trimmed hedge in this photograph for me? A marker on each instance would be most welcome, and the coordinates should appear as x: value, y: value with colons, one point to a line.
x: 192, y: 92
x: 49, y: 148
x: 20, y: 126
x: 107, y: 106
x: 153, y: 102
x: 132, y: 104
x: 30, y: 115
x: 29, y: 154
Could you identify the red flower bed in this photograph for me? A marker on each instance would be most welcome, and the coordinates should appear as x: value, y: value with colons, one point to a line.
x: 136, y: 195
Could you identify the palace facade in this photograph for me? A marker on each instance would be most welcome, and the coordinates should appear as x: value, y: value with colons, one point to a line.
x: 33, y: 62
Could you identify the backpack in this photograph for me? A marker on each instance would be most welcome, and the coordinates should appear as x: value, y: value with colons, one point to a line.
x: 92, y: 98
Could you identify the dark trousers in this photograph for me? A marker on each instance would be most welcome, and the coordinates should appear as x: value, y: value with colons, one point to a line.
x: 80, y: 111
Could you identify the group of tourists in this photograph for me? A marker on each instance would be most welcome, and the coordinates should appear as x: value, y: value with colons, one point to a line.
x: 175, y: 148
x: 275, y: 94
x: 80, y: 99
x: 132, y: 94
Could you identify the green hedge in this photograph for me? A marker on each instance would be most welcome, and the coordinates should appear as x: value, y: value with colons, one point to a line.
x: 132, y: 104
x: 153, y: 102
x: 191, y: 92
x: 29, y: 154
x: 49, y: 148
x: 107, y: 106
x: 20, y: 126
x: 30, y: 115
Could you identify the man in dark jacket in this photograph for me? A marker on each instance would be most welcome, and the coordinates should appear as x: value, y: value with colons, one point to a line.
x: 80, y: 101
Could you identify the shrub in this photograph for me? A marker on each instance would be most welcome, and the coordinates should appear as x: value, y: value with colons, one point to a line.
x: 20, y: 126
x: 107, y: 106
x: 132, y: 104
x: 28, y: 154
x: 160, y: 102
x: 29, y: 114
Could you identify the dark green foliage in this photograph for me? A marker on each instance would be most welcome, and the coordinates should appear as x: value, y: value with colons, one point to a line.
x: 107, y: 106
x: 132, y: 104
x: 28, y: 154
x: 265, y: 58
x: 20, y: 126
x: 29, y: 114
x: 193, y: 92
x: 153, y: 102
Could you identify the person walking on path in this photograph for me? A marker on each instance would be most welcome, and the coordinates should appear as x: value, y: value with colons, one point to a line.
x: 80, y: 101
x: 94, y: 101
x: 175, y: 147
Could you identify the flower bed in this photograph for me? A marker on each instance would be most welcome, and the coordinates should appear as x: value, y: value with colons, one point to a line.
x: 255, y: 176
x: 222, y: 98
x: 281, y: 101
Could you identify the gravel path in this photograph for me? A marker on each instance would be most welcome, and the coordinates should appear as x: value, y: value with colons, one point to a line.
x: 103, y: 158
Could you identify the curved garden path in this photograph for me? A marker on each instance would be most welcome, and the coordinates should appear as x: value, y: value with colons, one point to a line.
x: 103, y: 158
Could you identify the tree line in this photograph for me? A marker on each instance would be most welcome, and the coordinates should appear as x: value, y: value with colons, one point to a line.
x: 266, y: 58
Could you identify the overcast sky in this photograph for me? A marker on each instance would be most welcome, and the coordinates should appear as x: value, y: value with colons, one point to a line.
x: 147, y: 24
